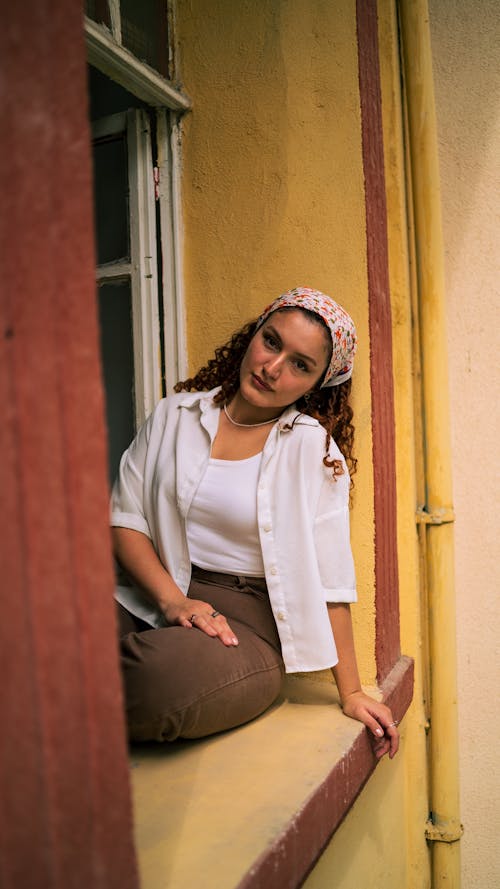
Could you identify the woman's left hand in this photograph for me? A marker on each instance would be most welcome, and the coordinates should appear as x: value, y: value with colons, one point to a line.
x: 378, y: 719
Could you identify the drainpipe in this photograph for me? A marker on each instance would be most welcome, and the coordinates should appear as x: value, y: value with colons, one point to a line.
x: 443, y: 830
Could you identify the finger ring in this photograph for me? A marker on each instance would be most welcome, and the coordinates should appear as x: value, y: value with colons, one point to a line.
x: 192, y: 618
x: 391, y: 724
x: 215, y: 614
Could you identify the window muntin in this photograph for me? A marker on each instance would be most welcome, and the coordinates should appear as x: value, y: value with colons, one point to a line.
x: 140, y: 27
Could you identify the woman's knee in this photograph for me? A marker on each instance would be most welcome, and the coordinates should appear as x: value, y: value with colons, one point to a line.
x: 233, y: 704
x: 169, y: 696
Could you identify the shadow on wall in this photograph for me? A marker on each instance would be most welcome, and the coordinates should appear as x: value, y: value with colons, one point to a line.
x: 467, y: 91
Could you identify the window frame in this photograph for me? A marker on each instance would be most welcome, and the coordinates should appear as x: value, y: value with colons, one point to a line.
x: 141, y: 268
x: 106, y: 53
x: 167, y: 103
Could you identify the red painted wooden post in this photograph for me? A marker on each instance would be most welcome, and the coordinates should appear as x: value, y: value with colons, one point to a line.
x: 65, y: 813
x: 387, y: 644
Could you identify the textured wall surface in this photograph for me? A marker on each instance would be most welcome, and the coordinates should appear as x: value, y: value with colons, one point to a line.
x: 364, y: 851
x: 465, y: 39
x: 273, y: 192
x: 274, y: 195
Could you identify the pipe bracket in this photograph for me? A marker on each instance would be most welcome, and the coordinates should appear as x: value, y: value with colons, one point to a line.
x: 439, y: 516
x: 446, y: 832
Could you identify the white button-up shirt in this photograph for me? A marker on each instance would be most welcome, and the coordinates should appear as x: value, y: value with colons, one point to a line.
x: 303, y: 517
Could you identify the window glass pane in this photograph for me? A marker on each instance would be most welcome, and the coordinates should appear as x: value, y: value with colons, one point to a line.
x: 111, y: 199
x: 108, y: 97
x: 98, y: 10
x: 117, y: 353
x: 145, y: 31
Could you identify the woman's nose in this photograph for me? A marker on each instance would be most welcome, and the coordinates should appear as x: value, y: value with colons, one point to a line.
x: 273, y: 366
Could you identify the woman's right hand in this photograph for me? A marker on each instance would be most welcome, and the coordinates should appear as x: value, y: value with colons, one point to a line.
x: 194, y: 613
x: 137, y: 556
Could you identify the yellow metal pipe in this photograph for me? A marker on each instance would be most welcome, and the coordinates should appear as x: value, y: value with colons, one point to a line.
x: 443, y: 829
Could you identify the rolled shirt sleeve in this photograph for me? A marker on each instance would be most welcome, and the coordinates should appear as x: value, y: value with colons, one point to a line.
x: 332, y: 538
x: 128, y: 508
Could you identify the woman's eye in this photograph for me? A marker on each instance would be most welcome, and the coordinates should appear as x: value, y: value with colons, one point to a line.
x: 301, y: 365
x: 270, y: 340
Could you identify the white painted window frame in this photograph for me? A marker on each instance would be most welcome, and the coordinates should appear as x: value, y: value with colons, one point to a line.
x: 142, y: 268
x: 169, y: 195
x: 108, y: 56
x: 143, y: 255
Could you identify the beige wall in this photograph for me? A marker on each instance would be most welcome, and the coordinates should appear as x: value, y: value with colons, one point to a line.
x: 466, y: 41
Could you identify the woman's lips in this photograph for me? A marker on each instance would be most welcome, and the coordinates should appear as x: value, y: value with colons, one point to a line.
x: 259, y: 382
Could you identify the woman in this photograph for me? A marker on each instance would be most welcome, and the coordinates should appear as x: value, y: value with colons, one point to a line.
x: 230, y: 524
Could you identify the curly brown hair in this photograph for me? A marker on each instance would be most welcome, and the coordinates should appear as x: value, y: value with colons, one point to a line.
x: 329, y: 406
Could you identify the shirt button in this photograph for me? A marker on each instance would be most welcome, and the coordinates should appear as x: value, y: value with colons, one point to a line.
x: 268, y: 527
x: 274, y: 570
x: 281, y: 615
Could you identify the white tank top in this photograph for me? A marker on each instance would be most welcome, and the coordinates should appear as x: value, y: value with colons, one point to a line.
x: 222, y: 529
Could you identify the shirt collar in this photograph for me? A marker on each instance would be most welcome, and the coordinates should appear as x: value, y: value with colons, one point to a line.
x: 205, y: 401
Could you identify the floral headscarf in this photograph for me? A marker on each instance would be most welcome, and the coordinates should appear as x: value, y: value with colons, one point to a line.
x: 339, y: 323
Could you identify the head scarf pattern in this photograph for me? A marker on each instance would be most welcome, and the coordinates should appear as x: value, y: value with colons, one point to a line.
x: 339, y: 323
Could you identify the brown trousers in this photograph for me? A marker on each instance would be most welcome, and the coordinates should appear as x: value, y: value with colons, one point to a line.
x: 181, y: 683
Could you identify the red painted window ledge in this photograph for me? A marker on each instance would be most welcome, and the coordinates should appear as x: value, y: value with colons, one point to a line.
x: 291, y: 857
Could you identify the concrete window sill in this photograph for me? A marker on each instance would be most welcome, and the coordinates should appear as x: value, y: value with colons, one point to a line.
x: 253, y: 808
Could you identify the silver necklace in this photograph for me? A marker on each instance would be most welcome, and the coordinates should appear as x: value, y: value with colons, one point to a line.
x: 248, y: 425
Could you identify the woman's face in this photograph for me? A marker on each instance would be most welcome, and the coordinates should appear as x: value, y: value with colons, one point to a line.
x: 285, y: 359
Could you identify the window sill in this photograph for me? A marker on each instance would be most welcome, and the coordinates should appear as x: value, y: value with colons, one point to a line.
x: 254, y: 808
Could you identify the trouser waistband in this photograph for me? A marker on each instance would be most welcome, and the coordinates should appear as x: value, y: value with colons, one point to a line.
x: 238, y: 580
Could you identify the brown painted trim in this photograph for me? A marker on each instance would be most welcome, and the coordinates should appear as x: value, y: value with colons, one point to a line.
x: 294, y: 853
x: 65, y: 808
x: 387, y: 646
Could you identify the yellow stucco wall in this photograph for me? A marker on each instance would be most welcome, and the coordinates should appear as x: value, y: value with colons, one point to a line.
x: 368, y: 849
x: 382, y: 843
x: 273, y: 191
x: 465, y: 41
x: 273, y: 196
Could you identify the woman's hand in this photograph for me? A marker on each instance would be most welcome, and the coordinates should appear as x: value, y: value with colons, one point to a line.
x: 377, y: 718
x: 200, y: 615
x: 355, y: 703
x: 136, y: 554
